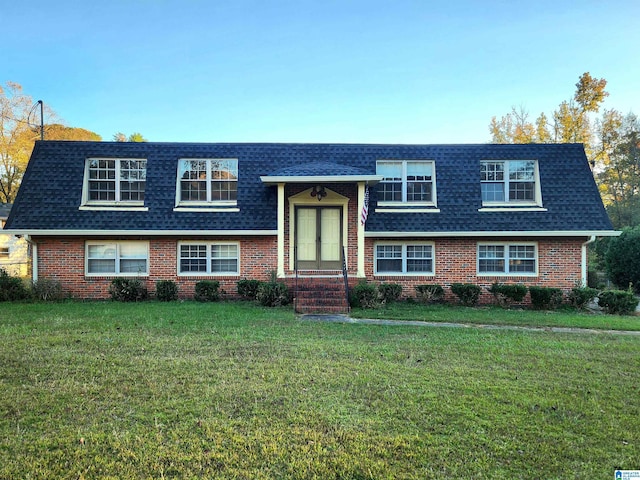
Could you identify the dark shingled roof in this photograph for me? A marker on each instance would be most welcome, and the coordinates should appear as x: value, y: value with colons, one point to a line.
x: 51, y: 189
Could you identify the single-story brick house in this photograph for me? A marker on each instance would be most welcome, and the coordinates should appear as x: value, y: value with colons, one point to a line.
x: 441, y: 214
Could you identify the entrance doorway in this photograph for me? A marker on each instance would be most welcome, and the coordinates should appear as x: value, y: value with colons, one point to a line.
x: 319, y: 238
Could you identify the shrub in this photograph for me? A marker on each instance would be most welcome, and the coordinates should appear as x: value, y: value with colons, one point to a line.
x: 389, y: 292
x: 622, y: 259
x: 166, y: 290
x: 273, y: 294
x: 47, y: 289
x: 430, y: 293
x: 248, y: 288
x: 11, y: 288
x: 581, y: 296
x: 545, y: 298
x: 468, y: 293
x: 207, y: 291
x: 507, y: 293
x: 364, y: 295
x: 618, y: 301
x: 127, y: 290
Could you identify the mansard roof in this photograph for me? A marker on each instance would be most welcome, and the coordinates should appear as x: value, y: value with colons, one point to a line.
x: 51, y: 191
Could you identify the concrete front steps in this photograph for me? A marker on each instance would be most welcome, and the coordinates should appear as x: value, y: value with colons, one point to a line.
x: 321, y: 294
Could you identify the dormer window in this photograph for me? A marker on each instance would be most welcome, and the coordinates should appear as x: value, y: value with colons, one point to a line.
x: 114, y: 182
x: 510, y: 183
x: 410, y: 182
x: 207, y: 181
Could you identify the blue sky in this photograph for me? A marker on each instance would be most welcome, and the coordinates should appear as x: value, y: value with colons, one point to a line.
x: 315, y: 71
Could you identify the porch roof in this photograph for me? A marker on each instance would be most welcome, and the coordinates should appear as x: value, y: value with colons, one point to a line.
x: 320, y: 172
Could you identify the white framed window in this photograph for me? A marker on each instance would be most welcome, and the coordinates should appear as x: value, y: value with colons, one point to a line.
x: 517, y: 259
x: 406, y: 182
x: 120, y: 258
x: 206, y: 181
x: 208, y: 258
x: 510, y: 182
x: 404, y: 258
x: 115, y: 181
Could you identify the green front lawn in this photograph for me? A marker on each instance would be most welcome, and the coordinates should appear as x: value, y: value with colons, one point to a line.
x: 494, y: 315
x: 188, y: 390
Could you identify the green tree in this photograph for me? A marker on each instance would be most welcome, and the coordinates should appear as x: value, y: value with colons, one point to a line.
x: 134, y: 137
x: 622, y: 259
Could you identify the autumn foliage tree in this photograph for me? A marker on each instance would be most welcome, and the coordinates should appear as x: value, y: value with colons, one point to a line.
x: 611, y: 142
x: 19, y: 129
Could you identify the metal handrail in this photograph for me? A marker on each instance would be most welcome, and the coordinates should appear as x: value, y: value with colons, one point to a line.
x: 346, y: 281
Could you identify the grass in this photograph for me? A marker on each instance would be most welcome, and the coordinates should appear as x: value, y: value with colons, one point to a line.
x: 187, y: 390
x: 493, y: 315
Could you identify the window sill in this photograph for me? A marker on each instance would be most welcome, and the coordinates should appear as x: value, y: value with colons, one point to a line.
x: 115, y: 207
x: 407, y: 209
x: 194, y: 208
x: 115, y: 275
x: 400, y: 274
x: 204, y: 274
x: 512, y: 208
x: 509, y: 275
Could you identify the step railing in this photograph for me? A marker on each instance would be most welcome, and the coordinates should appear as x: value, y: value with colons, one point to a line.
x: 346, y: 279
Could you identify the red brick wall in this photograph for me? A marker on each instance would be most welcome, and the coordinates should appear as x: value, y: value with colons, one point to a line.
x: 559, y: 265
x: 455, y: 261
x: 63, y: 259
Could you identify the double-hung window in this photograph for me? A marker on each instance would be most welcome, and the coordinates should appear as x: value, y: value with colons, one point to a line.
x: 206, y: 181
x: 404, y: 258
x: 117, y: 258
x: 115, y: 181
x: 208, y: 258
x: 507, y: 259
x: 510, y: 182
x: 406, y: 181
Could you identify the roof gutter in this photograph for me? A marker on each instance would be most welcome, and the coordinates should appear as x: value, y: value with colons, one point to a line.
x: 585, y: 277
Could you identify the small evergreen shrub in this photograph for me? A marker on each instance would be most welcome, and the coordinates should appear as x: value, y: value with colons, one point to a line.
x: 273, y: 294
x: 505, y: 294
x: 166, y: 290
x: 389, y: 292
x: 47, y: 289
x: 127, y: 290
x: 619, y: 302
x: 579, y: 297
x: 248, y: 289
x: 207, y: 291
x: 429, y: 293
x: 364, y: 295
x: 468, y: 293
x: 622, y: 259
x: 543, y: 298
x: 11, y: 288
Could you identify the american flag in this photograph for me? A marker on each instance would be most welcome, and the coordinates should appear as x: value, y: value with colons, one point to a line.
x: 365, y: 207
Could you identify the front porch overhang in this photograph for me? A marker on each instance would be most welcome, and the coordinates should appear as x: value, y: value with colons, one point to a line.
x: 312, y: 179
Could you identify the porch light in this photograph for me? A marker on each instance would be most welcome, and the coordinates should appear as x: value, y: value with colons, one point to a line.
x: 319, y: 192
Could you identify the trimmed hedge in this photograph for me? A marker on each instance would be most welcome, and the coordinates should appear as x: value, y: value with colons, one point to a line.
x: 618, y: 302
x: 579, y: 297
x: 364, y: 295
x: 430, y: 293
x: 11, y: 288
x: 207, y: 291
x: 468, y: 293
x: 389, y: 292
x: 543, y: 298
x: 128, y: 290
x: 166, y: 290
x: 248, y: 288
x: 508, y: 293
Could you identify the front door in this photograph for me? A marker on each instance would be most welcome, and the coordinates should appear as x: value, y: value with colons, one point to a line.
x: 319, y: 238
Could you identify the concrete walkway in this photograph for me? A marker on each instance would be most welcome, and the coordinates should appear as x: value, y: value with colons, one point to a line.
x: 417, y: 323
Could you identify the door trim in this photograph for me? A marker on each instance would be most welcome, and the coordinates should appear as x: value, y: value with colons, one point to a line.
x: 319, y: 263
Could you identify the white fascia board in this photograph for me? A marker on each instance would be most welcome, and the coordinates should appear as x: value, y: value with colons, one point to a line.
x: 149, y: 233
x: 370, y: 179
x: 509, y: 233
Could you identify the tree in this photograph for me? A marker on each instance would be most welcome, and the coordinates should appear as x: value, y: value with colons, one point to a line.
x: 134, y: 137
x: 620, y: 178
x: 623, y: 259
x: 19, y: 129
x: 570, y: 121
